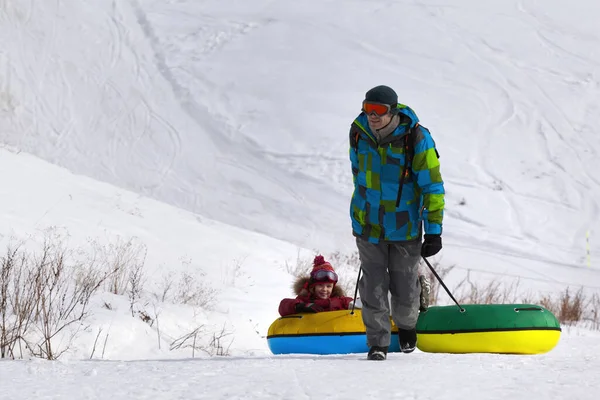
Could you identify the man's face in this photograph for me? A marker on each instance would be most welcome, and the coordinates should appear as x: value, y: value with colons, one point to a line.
x: 379, y: 121
x: 378, y: 114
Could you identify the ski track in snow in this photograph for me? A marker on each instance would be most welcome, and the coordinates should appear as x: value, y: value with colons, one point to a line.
x: 49, y: 77
x: 503, y: 86
x: 174, y: 135
x: 221, y: 132
x: 583, y: 186
x: 497, y: 83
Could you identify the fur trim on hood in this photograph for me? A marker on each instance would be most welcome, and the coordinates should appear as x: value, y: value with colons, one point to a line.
x: 299, y: 289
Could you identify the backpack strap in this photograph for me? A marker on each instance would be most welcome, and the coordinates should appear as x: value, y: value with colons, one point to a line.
x: 355, y: 132
x: 354, y: 137
x: 409, y: 152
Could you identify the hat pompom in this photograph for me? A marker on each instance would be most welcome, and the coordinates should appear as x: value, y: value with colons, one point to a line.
x: 320, y: 263
x: 319, y: 260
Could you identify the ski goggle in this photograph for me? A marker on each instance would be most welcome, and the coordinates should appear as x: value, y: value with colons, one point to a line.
x: 379, y: 109
x: 323, y: 275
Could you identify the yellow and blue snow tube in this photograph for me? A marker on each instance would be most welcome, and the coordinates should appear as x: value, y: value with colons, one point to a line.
x: 488, y: 328
x: 330, y: 332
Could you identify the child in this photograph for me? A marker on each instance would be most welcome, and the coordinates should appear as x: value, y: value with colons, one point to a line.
x: 317, y: 292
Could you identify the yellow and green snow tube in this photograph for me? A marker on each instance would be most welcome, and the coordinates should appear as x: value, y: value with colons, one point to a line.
x: 488, y: 328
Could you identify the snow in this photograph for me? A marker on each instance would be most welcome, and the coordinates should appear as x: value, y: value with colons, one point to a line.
x: 568, y: 371
x: 215, y: 134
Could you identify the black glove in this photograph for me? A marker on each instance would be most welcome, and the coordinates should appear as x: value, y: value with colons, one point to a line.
x: 308, y: 308
x: 432, y: 244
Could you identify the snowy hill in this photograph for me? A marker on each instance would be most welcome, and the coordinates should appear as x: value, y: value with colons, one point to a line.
x: 231, y: 113
x: 215, y: 133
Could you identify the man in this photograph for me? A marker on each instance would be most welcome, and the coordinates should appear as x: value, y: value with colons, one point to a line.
x: 398, y: 191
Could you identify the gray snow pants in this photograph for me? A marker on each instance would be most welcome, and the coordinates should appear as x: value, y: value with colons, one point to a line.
x: 392, y: 267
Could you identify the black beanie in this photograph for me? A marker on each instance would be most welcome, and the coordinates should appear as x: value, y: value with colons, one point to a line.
x: 382, y: 94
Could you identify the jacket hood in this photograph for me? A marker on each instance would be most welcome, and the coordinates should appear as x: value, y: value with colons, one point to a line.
x: 299, y: 289
x: 406, y: 111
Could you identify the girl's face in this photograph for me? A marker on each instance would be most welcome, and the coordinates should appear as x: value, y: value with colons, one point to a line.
x: 323, y: 290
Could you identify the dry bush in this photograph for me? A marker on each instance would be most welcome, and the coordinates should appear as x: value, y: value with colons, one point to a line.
x: 592, y: 314
x: 231, y: 274
x: 122, y: 262
x: 188, y: 341
x: 45, y: 293
x: 63, y: 292
x: 17, y: 302
x: 135, y: 284
x: 568, y: 307
x: 193, y: 292
x: 195, y: 340
x: 119, y: 259
x: 96, y: 342
x: 494, y: 292
x: 571, y: 306
x: 216, y: 346
x: 301, y: 268
x: 190, y: 289
x: 340, y: 259
x: 145, y: 317
x: 165, y: 287
x: 42, y: 296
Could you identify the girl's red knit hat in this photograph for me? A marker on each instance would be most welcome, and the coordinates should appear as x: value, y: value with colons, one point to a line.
x: 320, y: 263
